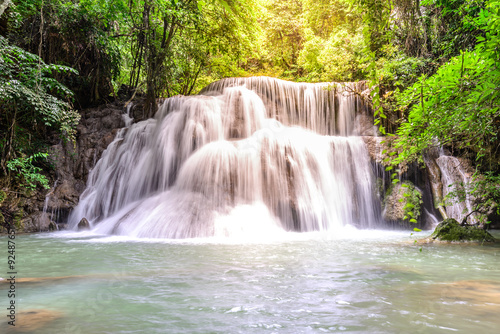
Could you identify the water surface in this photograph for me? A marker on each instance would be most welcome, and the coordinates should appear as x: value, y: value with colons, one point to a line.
x: 361, y: 282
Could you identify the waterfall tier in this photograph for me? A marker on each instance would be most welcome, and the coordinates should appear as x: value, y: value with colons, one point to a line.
x: 247, y: 155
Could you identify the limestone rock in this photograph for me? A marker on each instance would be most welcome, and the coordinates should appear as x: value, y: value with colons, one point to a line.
x: 402, y: 203
x: 73, y: 161
x: 364, y: 125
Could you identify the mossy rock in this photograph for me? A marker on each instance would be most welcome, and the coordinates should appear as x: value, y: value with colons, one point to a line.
x: 451, y: 230
x: 403, y: 204
x: 18, y: 219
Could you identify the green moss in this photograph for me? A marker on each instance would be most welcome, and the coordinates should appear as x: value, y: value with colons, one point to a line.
x: 409, y: 196
x: 18, y: 217
x: 3, y: 196
x: 450, y: 230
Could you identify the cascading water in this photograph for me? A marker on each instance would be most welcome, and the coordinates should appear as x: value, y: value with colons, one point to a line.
x: 454, y: 175
x: 247, y: 155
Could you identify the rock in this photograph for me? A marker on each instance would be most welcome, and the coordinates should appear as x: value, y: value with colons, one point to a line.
x: 3, y: 196
x: 3, y: 224
x: 84, y: 224
x: 364, y: 126
x: 52, y: 226
x: 460, y: 295
x: 402, y: 203
x: 451, y: 230
x: 434, y: 176
x: 34, y: 320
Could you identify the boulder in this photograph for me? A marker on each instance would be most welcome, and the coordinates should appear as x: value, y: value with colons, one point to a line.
x: 451, y: 230
x: 84, y: 224
x: 403, y: 203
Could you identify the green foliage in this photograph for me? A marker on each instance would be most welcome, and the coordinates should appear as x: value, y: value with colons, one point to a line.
x: 454, y: 29
x: 27, y: 174
x: 484, y: 194
x: 413, y: 202
x: 28, y: 88
x: 308, y: 40
x: 73, y: 33
x: 459, y: 107
x: 376, y: 18
x: 31, y: 99
x: 459, y: 104
x: 399, y: 71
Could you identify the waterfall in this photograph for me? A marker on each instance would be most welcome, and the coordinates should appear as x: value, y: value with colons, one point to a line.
x: 45, y: 214
x: 246, y: 155
x: 453, y: 174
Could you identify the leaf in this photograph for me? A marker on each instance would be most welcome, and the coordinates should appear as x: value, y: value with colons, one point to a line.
x: 417, y: 230
x: 200, y: 4
x: 225, y: 5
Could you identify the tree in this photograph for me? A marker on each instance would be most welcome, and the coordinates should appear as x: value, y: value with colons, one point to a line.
x: 30, y: 100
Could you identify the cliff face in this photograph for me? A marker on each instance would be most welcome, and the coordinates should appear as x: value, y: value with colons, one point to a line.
x: 72, y: 162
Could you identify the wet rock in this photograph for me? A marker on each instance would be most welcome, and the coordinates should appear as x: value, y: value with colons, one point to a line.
x: 52, y: 226
x: 364, y: 125
x: 451, y: 230
x: 3, y: 196
x: 379, y: 149
x: 403, y: 203
x: 434, y: 176
x: 84, y: 224
x: 2, y: 223
x: 471, y: 299
x: 72, y: 162
x: 30, y: 321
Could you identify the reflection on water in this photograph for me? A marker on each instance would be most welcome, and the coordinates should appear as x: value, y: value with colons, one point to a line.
x: 375, y: 282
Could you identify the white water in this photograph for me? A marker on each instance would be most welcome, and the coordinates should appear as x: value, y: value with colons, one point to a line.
x: 248, y: 156
x: 357, y: 282
x: 454, y: 175
x: 45, y: 214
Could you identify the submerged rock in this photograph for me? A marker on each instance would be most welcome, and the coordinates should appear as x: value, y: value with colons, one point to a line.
x: 34, y: 320
x: 84, y: 224
x: 451, y: 230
